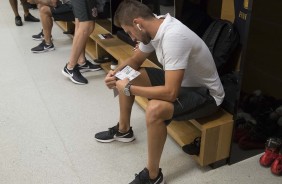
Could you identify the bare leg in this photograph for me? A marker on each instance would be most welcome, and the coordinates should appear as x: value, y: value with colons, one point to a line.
x: 82, y: 32
x: 81, y: 59
x: 25, y: 8
x: 157, y: 111
x: 47, y: 22
x: 14, y: 5
x: 125, y: 102
x: 125, y: 105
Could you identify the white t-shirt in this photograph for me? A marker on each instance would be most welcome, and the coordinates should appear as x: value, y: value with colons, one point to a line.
x: 177, y: 47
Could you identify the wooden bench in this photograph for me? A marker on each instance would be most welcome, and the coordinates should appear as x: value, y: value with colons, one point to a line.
x: 215, y: 131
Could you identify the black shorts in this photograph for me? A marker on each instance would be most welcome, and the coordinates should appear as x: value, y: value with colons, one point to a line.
x: 85, y: 10
x: 191, y: 103
x: 63, y: 12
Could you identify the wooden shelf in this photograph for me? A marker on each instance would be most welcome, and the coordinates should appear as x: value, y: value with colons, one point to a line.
x: 215, y: 132
x: 65, y: 26
x: 62, y: 25
x: 91, y: 49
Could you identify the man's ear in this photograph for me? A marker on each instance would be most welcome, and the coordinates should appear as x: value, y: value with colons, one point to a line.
x: 135, y: 22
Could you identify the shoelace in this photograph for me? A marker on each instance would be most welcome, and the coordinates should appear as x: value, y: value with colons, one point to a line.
x: 42, y: 43
x: 138, y: 176
x: 113, y: 130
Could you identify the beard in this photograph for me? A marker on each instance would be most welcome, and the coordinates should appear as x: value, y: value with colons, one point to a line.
x: 145, y: 38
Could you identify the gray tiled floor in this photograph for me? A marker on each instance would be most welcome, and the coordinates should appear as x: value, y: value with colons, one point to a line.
x: 47, y: 123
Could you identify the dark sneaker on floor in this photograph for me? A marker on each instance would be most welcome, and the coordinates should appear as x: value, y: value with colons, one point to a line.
x: 30, y: 18
x: 39, y: 36
x: 18, y: 21
x: 74, y: 75
x: 88, y: 67
x: 193, y: 148
x: 43, y: 47
x: 114, y: 135
x: 143, y: 178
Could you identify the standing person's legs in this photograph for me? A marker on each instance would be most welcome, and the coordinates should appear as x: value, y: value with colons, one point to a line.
x: 25, y: 8
x: 27, y: 16
x: 14, y: 5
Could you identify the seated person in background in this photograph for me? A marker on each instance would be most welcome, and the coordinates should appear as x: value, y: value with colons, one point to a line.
x: 187, y: 87
x: 85, y: 12
x: 49, y: 10
x: 27, y: 16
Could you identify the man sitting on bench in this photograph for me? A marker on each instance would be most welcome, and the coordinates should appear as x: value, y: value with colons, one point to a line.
x: 49, y: 10
x: 187, y: 87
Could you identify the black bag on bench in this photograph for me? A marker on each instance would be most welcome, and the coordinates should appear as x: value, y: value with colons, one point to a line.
x: 222, y: 39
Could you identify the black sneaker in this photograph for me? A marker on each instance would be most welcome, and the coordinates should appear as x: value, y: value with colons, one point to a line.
x: 103, y: 59
x: 194, y: 147
x: 143, y: 178
x: 18, y: 21
x: 114, y: 135
x: 88, y: 67
x: 74, y: 75
x: 43, y: 47
x: 30, y: 18
x: 39, y: 36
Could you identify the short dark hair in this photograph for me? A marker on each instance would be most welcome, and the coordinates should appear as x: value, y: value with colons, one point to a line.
x: 129, y: 10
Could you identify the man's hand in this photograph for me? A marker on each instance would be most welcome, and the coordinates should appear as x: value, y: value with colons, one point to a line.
x: 120, y: 84
x: 110, y: 80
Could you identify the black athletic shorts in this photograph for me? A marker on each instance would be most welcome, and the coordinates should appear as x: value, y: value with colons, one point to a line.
x: 63, y: 12
x: 85, y: 10
x: 191, y: 103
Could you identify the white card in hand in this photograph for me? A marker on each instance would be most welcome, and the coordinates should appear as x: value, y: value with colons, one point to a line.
x: 127, y: 72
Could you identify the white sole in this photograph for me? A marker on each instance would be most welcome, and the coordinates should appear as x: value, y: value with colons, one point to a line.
x: 47, y: 50
x: 68, y: 76
x: 125, y: 140
x: 89, y: 70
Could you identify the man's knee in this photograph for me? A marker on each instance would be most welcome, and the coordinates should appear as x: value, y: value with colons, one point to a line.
x: 45, y: 10
x: 86, y: 28
x: 154, y: 112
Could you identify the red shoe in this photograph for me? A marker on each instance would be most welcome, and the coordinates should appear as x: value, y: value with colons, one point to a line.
x: 276, y: 167
x: 271, y: 153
